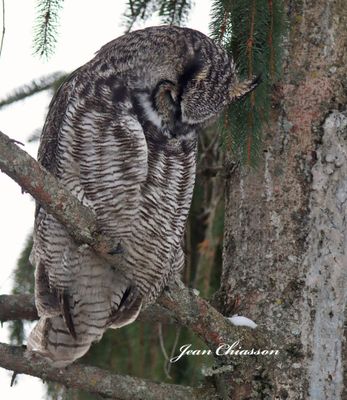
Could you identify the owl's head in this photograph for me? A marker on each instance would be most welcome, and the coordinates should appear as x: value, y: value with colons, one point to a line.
x: 201, y: 91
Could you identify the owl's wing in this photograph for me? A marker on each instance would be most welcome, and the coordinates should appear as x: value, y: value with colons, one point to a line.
x: 47, y: 300
x: 56, y: 113
x: 47, y: 154
x: 93, y: 142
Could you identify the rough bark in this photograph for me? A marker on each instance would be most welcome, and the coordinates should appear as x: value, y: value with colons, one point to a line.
x: 96, y: 380
x: 285, y: 230
x: 22, y: 306
x: 78, y: 220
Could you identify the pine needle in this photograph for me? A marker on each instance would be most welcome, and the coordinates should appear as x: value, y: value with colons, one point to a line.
x: 46, y: 27
x: 3, y: 27
x: 35, y: 86
x: 252, y: 32
x: 171, y: 12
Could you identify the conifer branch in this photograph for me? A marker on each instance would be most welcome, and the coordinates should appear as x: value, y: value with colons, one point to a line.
x: 271, y: 44
x: 97, y: 380
x: 250, y: 41
x: 138, y: 9
x: 35, y: 86
x: 173, y: 12
x: 252, y: 32
x: 45, y: 30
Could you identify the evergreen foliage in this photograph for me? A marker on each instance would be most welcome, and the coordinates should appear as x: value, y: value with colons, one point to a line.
x: 23, y: 283
x: 172, y: 12
x: 46, y: 26
x: 51, y: 81
x: 252, y: 32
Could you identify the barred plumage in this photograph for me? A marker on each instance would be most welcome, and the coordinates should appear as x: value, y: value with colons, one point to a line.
x: 121, y: 134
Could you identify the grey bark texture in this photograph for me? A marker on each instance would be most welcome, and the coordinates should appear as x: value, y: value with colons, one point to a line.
x: 98, y: 381
x: 285, y: 241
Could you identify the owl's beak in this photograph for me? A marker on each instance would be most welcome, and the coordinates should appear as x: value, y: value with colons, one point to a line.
x: 240, y: 89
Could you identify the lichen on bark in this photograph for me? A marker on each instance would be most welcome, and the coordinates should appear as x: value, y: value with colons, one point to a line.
x: 326, y: 261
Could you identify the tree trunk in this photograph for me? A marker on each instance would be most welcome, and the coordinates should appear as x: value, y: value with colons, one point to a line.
x: 285, y: 245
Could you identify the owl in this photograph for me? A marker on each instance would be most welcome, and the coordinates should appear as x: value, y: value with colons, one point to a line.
x: 121, y: 135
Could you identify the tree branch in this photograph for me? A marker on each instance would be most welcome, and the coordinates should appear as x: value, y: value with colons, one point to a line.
x: 18, y: 306
x: 22, y: 306
x: 204, y: 320
x: 78, y: 220
x: 96, y: 380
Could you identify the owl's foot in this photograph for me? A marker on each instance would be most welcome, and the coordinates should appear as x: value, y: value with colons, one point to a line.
x: 117, y: 250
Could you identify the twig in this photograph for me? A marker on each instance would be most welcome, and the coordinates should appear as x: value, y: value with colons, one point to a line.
x: 173, y: 350
x: 3, y: 26
x: 13, y: 378
x: 163, y: 350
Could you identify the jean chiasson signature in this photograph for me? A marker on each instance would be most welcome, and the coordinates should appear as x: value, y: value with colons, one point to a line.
x: 224, y: 349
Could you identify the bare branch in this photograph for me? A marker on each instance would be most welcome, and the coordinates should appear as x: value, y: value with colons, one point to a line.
x: 3, y: 27
x: 177, y: 305
x: 204, y: 320
x: 19, y: 306
x: 78, y: 220
x: 22, y: 306
x: 35, y: 86
x: 96, y: 380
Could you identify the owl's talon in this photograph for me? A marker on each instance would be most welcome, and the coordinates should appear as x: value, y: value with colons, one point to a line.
x: 116, y: 250
x: 66, y: 312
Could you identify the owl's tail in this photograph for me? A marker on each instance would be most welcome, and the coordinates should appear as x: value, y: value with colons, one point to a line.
x: 64, y: 338
x: 52, y: 340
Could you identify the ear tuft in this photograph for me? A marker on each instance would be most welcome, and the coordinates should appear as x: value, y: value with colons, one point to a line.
x: 240, y: 89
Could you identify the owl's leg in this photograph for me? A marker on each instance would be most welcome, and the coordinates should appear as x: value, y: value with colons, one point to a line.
x: 52, y: 302
x: 128, y: 309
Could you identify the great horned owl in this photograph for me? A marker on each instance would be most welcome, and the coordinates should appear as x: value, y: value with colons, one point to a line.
x: 121, y: 135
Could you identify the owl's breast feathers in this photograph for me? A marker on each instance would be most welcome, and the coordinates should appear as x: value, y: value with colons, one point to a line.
x: 121, y: 135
